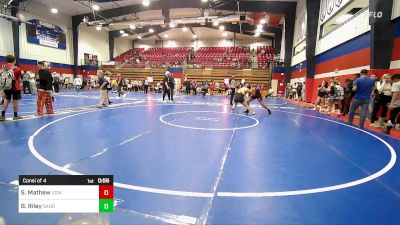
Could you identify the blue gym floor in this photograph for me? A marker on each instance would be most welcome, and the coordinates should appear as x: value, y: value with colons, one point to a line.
x: 192, y: 161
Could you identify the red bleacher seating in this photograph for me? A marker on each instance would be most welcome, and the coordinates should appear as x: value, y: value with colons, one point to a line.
x: 265, y: 54
x: 211, y: 57
x: 222, y: 57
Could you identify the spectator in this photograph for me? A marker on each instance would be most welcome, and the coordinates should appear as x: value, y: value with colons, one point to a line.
x: 44, y: 91
x: 25, y: 83
x: 56, y: 82
x: 394, y: 103
x: 348, y: 94
x: 77, y: 83
x: 363, y: 87
x: 382, y: 98
x: 15, y: 92
x: 322, y: 94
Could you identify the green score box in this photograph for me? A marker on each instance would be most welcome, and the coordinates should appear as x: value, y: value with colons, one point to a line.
x: 106, y: 205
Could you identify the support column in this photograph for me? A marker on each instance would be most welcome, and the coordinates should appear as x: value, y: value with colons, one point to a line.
x: 382, y: 35
x: 277, y: 42
x: 111, y: 43
x: 289, y: 31
x: 15, y: 31
x: 311, y: 41
x: 75, y: 43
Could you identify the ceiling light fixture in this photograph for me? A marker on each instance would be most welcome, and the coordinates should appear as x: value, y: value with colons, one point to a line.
x: 185, y: 29
x: 204, y: 1
x: 124, y: 35
x: 263, y: 21
x: 121, y: 31
x: 95, y: 7
x: 146, y: 2
x: 194, y: 36
x: 151, y: 30
x: 139, y: 37
x: 222, y: 27
x: 166, y: 35
x: 98, y: 27
x: 132, y: 27
x: 54, y: 10
x: 172, y: 25
x: 215, y: 23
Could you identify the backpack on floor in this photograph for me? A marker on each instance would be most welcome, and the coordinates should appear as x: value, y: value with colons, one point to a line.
x: 6, y: 78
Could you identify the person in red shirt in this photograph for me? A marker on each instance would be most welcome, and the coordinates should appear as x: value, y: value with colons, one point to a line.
x: 15, y: 92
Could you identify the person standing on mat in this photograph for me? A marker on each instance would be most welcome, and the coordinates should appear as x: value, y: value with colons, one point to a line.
x: 363, y: 87
x: 171, y: 84
x: 166, y: 87
x: 44, y: 91
x: 256, y: 94
x: 146, y: 86
x: 14, y: 92
x: 232, y: 86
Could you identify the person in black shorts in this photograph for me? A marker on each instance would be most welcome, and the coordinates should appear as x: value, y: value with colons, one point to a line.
x: 14, y: 94
x: 239, y: 97
x: 256, y: 94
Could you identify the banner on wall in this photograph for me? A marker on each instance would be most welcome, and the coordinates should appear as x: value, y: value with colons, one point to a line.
x: 329, y: 8
x: 46, y: 34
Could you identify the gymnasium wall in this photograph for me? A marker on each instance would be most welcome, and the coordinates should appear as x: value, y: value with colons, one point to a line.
x: 39, y: 52
x: 61, y: 60
x: 395, y: 64
x: 341, y: 61
x: 299, y: 72
x: 6, y: 40
x: 299, y: 33
x: 122, y: 45
x: 351, y: 29
x: 94, y: 42
x: 396, y: 9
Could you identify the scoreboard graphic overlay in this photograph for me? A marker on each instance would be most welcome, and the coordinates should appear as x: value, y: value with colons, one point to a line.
x: 66, y: 194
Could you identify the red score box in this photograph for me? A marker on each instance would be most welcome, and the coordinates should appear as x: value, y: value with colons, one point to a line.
x: 106, y: 192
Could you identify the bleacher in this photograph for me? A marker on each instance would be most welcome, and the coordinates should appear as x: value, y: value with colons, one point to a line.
x: 204, y: 57
x: 129, y: 56
x: 253, y: 76
x: 265, y: 54
x: 160, y: 56
x: 222, y: 57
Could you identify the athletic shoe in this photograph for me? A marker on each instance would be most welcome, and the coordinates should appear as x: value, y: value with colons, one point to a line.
x: 17, y: 117
x: 2, y: 118
x: 269, y: 112
x: 253, y: 113
x: 389, y: 123
x: 246, y: 111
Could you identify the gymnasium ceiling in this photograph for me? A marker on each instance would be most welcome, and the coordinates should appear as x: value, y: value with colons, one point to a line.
x: 239, y: 18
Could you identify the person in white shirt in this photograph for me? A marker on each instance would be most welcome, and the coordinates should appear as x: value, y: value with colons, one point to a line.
x: 394, y: 105
x: 383, y: 96
x: 77, y: 83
